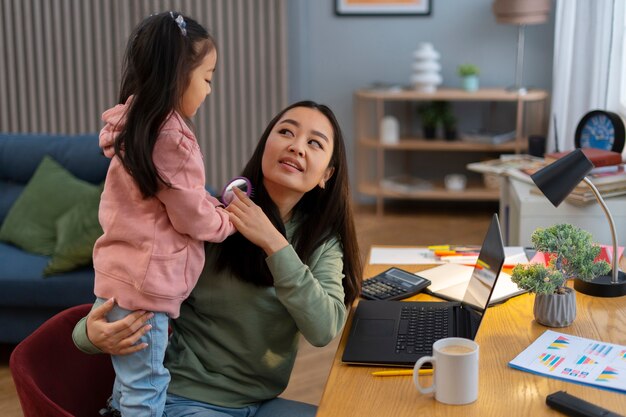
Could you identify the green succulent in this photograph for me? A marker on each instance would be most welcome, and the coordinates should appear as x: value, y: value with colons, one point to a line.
x: 467, y: 69
x: 572, y: 254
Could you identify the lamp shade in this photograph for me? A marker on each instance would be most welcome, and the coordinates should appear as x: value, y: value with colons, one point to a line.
x: 521, y: 12
x: 560, y: 178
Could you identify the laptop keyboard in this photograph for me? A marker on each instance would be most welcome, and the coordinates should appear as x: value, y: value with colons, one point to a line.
x: 420, y: 327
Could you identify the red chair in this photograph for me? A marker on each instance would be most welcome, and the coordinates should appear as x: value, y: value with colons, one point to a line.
x: 53, y: 378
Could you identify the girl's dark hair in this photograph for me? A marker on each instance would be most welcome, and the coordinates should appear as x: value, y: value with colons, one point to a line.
x: 157, y: 68
x: 323, y: 213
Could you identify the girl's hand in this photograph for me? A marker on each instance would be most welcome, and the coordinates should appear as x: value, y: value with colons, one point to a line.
x: 119, y: 337
x: 253, y: 224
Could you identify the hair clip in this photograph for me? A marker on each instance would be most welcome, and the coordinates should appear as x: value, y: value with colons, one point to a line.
x: 180, y: 21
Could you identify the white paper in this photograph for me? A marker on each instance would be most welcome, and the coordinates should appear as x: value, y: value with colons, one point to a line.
x: 422, y: 255
x: 576, y: 359
x: 402, y: 256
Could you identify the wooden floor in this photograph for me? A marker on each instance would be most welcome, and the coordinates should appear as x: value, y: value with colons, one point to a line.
x: 403, y: 224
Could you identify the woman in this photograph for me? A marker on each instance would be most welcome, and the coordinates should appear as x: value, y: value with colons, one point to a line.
x: 293, y: 268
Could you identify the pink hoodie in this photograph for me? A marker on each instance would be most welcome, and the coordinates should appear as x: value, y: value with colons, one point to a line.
x: 152, y: 252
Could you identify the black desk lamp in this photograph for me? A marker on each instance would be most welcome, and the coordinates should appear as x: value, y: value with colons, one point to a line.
x: 556, y: 181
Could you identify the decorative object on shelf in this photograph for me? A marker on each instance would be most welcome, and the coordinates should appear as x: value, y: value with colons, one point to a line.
x: 429, y: 117
x: 405, y: 184
x: 571, y: 255
x: 469, y: 75
x: 455, y: 182
x: 448, y: 120
x: 537, y: 145
x: 556, y: 181
x: 521, y: 13
x: 382, y: 7
x: 488, y: 136
x: 600, y: 129
x: 389, y: 130
x: 426, y: 68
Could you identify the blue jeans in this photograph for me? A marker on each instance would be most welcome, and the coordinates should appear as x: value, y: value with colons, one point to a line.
x: 141, y: 380
x: 176, y: 406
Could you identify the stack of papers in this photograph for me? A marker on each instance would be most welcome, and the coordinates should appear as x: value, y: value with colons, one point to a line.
x: 575, y: 359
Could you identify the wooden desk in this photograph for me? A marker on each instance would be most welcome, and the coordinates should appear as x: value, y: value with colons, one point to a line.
x: 506, y: 330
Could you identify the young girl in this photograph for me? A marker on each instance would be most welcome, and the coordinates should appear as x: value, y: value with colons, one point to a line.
x: 154, y: 210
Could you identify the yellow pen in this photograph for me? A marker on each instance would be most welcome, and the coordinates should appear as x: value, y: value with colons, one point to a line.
x: 402, y: 372
x: 439, y: 247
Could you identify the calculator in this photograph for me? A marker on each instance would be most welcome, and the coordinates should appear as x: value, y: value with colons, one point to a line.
x: 393, y: 284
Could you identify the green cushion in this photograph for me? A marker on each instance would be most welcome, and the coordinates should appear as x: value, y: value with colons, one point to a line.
x: 52, y: 191
x: 77, y: 231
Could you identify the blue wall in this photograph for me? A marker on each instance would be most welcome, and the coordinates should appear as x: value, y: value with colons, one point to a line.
x: 330, y: 56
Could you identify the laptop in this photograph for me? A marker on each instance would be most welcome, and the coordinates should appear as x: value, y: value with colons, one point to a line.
x: 398, y: 333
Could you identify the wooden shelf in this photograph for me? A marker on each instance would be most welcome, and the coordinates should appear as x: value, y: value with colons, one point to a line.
x: 472, y: 193
x: 417, y: 144
x: 453, y: 94
x: 372, y: 105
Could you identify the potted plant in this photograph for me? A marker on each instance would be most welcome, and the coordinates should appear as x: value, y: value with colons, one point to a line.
x: 571, y: 255
x: 429, y: 116
x: 469, y: 74
x: 449, y: 124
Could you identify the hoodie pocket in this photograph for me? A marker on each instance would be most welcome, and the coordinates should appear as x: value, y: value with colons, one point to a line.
x: 165, y: 276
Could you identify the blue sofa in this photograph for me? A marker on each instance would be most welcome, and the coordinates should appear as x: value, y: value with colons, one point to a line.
x: 27, y: 297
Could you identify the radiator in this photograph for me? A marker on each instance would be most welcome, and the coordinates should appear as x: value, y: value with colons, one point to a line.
x: 60, y: 68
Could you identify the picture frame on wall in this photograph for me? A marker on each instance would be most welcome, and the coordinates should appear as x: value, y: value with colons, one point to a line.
x: 383, y: 7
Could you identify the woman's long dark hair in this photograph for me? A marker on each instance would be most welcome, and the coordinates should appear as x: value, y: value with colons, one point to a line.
x: 324, y: 213
x: 157, y: 67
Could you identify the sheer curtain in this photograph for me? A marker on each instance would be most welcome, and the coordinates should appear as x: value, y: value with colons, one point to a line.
x: 587, y: 71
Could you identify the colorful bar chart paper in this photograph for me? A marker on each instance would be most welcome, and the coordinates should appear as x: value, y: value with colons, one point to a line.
x: 575, y: 359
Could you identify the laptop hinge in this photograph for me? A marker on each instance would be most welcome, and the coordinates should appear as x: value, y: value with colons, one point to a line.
x: 467, y: 321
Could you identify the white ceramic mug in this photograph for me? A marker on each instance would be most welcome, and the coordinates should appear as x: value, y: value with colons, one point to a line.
x: 455, y: 376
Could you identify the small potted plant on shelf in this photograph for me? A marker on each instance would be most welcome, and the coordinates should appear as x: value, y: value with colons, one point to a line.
x: 429, y: 116
x: 469, y: 74
x: 571, y: 254
x: 449, y: 124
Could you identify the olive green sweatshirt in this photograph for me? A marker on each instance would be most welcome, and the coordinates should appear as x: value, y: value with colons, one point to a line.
x: 235, y: 343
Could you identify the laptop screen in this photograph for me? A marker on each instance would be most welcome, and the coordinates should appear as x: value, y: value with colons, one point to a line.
x: 488, y: 266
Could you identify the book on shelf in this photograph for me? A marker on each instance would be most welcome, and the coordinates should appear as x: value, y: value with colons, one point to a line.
x: 599, y: 157
x: 488, y: 136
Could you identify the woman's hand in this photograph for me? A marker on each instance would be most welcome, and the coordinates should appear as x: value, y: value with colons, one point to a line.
x: 119, y: 337
x: 253, y: 224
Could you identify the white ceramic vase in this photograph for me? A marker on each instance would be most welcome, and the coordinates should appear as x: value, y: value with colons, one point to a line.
x: 389, y: 130
x: 426, y: 74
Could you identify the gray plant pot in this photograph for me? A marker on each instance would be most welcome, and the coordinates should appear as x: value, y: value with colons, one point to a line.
x: 555, y: 310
